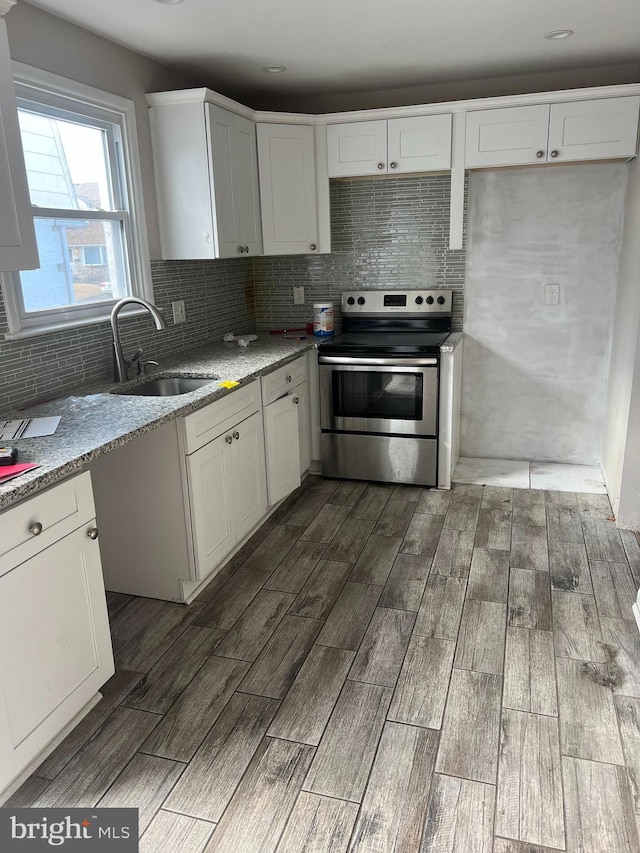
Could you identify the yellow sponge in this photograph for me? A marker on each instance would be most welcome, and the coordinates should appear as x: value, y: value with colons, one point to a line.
x: 228, y: 384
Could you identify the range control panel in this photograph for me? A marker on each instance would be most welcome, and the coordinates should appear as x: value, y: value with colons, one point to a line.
x: 396, y: 302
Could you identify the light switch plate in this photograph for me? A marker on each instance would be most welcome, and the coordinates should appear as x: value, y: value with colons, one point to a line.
x: 298, y: 295
x: 179, y: 314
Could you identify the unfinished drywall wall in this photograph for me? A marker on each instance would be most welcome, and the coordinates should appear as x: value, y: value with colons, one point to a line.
x: 621, y: 439
x: 535, y: 375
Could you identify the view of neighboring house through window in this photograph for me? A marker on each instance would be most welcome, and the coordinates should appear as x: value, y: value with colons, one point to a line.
x: 79, y: 221
x: 80, y: 150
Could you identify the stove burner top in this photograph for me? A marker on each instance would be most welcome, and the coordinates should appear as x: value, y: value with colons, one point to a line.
x: 396, y: 343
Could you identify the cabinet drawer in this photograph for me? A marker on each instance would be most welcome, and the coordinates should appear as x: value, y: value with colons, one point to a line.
x: 283, y: 379
x: 208, y: 423
x: 59, y: 510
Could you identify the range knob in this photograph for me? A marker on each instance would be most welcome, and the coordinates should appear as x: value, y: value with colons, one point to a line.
x: 440, y: 300
x: 419, y: 300
x: 429, y: 300
x: 360, y: 300
x: 351, y: 301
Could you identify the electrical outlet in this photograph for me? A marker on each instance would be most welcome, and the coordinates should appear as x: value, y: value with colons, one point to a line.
x: 179, y: 314
x: 298, y: 295
x: 552, y: 294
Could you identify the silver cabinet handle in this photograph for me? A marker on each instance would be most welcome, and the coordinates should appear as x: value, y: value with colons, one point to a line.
x: 92, y: 533
x: 236, y: 435
x: 35, y: 528
x: 246, y: 250
x: 393, y: 165
x: 313, y: 247
x: 380, y: 165
x: 539, y: 154
x: 296, y: 400
x: 229, y: 439
x: 289, y: 379
x: 240, y: 249
x: 554, y: 154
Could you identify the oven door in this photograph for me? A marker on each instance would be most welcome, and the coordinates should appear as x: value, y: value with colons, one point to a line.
x: 379, y: 395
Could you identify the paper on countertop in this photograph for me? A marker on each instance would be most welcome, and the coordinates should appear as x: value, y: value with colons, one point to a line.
x: 241, y: 340
x: 28, y: 428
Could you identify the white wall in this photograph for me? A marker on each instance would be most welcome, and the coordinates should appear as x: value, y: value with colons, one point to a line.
x: 534, y: 379
x: 45, y: 41
x: 621, y: 439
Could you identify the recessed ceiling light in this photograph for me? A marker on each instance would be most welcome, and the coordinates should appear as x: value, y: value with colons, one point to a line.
x: 274, y: 69
x: 555, y: 35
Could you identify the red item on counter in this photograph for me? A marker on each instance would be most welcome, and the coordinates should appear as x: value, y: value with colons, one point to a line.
x: 8, y: 472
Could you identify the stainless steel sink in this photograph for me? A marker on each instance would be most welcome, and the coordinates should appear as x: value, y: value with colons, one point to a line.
x: 166, y: 386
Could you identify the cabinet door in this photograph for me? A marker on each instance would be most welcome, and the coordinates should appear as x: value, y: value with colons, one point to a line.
x: 301, y: 394
x: 357, y: 148
x: 18, y: 249
x: 246, y: 192
x: 507, y: 137
x: 421, y: 144
x: 211, y: 503
x: 286, y: 159
x: 249, y: 477
x: 282, y: 445
x: 591, y: 130
x: 55, y: 646
x: 220, y: 126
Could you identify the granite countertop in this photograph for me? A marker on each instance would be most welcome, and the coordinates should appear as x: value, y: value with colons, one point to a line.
x: 452, y: 342
x: 95, y: 421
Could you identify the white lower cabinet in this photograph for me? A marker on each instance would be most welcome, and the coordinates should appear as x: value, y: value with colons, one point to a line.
x: 55, y: 644
x: 282, y: 444
x: 227, y: 492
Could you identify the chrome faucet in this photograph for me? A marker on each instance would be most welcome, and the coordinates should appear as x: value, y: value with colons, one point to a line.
x: 123, y: 364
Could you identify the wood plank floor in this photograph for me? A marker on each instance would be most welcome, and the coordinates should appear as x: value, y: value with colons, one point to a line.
x: 380, y: 669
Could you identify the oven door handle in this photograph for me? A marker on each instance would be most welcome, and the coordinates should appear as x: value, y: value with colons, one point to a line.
x: 382, y: 362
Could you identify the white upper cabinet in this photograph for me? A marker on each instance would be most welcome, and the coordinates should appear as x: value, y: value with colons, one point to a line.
x: 357, y: 148
x: 206, y: 171
x: 507, y: 137
x: 594, y: 130
x: 575, y: 130
x: 418, y: 144
x: 287, y: 168
x: 18, y: 249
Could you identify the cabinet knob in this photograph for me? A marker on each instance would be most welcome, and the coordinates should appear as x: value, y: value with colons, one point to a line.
x: 296, y: 400
x: 240, y: 249
x: 393, y: 165
x: 229, y: 439
x: 36, y: 528
x: 246, y: 250
x: 380, y: 166
x: 236, y: 435
x: 288, y: 379
x: 313, y: 247
x: 554, y: 154
x: 539, y: 154
x: 92, y: 533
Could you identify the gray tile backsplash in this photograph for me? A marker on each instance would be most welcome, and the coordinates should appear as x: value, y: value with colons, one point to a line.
x: 385, y: 233
x: 217, y: 295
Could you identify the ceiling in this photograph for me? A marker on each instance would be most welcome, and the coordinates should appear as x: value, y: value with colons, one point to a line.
x: 339, y: 46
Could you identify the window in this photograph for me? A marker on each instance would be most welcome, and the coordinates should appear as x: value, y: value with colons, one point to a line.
x: 82, y: 170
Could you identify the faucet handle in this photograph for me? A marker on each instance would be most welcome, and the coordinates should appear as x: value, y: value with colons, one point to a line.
x: 136, y: 359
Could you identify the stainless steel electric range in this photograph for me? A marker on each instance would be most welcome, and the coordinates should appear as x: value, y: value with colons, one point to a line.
x: 379, y: 386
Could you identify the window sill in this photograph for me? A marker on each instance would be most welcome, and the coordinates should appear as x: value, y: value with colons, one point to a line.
x: 52, y: 328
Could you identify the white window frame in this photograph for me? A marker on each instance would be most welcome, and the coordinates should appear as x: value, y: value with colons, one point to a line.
x: 54, y: 91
